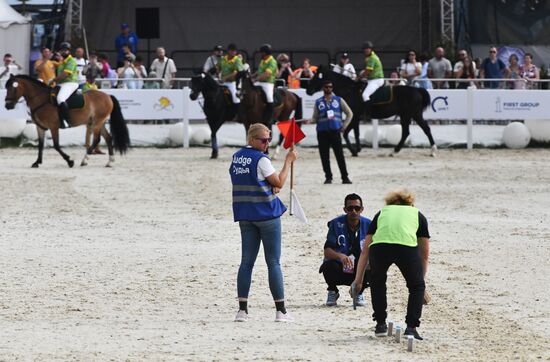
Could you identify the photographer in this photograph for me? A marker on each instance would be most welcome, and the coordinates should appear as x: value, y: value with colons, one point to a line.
x: 10, y: 67
x: 128, y: 75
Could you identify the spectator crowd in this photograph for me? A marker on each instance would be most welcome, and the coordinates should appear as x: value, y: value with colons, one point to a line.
x: 424, y: 71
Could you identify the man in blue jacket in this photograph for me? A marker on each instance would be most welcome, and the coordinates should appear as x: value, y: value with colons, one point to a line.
x: 345, y: 239
x: 126, y: 37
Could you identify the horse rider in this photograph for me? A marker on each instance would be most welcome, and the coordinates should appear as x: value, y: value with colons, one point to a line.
x: 228, y: 67
x: 373, y: 72
x: 67, y: 79
x: 211, y: 64
x: 265, y: 78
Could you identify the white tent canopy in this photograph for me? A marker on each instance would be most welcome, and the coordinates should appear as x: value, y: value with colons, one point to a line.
x: 15, y: 35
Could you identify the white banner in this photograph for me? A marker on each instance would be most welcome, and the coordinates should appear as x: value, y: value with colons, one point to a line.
x: 447, y: 104
x: 511, y: 104
x: 149, y: 103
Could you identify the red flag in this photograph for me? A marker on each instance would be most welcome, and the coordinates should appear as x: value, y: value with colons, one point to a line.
x: 291, y: 132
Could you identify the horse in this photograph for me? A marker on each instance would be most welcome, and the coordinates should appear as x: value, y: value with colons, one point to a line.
x: 406, y: 102
x: 253, y: 103
x: 98, y: 108
x: 218, y: 105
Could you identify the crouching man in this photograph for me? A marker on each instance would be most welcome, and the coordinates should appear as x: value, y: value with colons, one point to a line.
x: 345, y: 239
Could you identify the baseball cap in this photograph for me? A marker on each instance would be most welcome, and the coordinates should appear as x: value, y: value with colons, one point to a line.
x: 124, y: 26
x: 218, y: 47
x: 344, y: 55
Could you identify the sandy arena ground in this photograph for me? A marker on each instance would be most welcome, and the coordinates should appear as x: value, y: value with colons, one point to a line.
x: 139, y: 262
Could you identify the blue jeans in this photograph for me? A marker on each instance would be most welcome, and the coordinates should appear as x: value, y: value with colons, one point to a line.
x: 252, y: 233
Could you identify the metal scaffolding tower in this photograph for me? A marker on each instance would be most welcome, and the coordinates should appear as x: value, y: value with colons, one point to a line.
x: 447, y: 21
x: 73, y: 19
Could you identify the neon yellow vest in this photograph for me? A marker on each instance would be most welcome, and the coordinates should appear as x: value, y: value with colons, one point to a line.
x: 397, y: 224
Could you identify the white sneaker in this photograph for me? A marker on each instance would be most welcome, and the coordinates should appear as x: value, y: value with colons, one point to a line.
x: 241, y: 316
x: 360, y: 300
x: 283, y: 317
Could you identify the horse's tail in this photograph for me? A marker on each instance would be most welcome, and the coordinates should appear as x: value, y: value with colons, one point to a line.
x: 119, y: 129
x: 298, y: 111
x: 426, y: 101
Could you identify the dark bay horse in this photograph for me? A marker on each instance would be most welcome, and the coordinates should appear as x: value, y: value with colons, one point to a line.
x: 407, y: 102
x: 98, y: 108
x: 253, y: 103
x: 218, y: 106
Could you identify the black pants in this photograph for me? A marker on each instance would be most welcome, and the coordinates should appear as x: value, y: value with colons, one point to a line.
x: 407, y: 259
x: 334, y: 275
x: 328, y: 139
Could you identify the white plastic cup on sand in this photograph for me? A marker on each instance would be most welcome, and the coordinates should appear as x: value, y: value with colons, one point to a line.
x: 410, y: 342
x: 390, y: 328
x: 397, y: 334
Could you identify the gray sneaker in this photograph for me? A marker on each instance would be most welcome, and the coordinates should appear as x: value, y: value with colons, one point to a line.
x: 360, y: 300
x: 332, y: 297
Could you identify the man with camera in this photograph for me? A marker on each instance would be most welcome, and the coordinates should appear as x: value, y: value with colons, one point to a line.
x: 10, y: 67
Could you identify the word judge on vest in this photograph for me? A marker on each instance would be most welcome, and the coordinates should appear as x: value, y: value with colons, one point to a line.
x: 398, y: 234
x: 258, y: 209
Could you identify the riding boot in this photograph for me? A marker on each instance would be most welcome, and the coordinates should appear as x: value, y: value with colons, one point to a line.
x: 268, y: 113
x: 64, y: 111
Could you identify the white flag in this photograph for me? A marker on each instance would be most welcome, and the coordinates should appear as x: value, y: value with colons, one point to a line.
x: 296, y: 208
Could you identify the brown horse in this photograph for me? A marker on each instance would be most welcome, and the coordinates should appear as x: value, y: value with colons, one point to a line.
x: 98, y: 108
x: 253, y: 103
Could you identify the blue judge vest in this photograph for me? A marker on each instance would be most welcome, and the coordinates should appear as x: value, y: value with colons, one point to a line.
x: 253, y: 200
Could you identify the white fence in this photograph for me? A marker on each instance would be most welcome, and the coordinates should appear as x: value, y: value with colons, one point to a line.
x: 451, y: 104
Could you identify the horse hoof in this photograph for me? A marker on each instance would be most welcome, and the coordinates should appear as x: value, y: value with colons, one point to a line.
x: 214, y: 155
x: 354, y: 154
x: 82, y: 164
x: 433, y: 152
x: 70, y: 163
x: 108, y: 165
x: 34, y: 165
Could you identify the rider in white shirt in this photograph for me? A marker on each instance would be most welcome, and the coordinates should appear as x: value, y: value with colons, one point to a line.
x: 344, y: 67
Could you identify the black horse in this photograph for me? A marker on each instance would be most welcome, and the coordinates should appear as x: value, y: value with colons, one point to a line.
x: 407, y: 102
x: 218, y: 105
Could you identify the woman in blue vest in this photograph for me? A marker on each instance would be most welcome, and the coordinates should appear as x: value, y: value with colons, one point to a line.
x: 345, y: 239
x: 327, y: 113
x: 258, y: 211
x: 398, y: 234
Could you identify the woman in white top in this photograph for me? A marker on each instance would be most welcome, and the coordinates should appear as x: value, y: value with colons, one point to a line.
x: 128, y: 75
x: 410, y: 68
x: 529, y: 71
x: 344, y: 67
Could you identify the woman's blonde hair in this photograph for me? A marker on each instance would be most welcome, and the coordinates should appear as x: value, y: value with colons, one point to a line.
x: 256, y: 130
x: 400, y: 197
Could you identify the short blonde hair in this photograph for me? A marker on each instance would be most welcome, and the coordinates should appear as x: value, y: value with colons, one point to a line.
x: 256, y: 130
x: 399, y: 197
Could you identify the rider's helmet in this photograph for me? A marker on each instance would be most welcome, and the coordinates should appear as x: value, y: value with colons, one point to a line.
x: 367, y: 44
x: 265, y: 48
x: 65, y: 45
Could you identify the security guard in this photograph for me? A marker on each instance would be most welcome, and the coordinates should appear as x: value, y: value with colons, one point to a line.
x: 67, y: 79
x: 229, y: 66
x: 397, y: 234
x: 327, y: 113
x: 265, y: 77
x: 374, y: 74
x: 345, y: 239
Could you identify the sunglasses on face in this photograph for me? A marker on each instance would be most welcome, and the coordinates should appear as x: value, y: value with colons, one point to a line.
x: 353, y: 208
x: 327, y: 87
x: 264, y: 140
x: 492, y: 51
x: 411, y: 54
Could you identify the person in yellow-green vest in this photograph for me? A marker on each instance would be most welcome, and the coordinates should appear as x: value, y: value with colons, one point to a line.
x: 265, y: 78
x: 67, y: 79
x: 373, y: 72
x: 398, y: 234
x: 228, y: 67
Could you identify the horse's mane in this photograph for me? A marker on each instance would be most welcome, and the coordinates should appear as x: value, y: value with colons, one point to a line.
x: 32, y: 80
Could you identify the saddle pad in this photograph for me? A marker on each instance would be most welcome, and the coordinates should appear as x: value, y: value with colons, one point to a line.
x: 382, y: 95
x: 76, y: 100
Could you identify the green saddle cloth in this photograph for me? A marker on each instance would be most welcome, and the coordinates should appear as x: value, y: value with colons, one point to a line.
x: 76, y: 100
x: 382, y: 95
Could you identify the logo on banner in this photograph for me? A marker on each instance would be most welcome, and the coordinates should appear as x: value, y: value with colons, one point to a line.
x: 440, y: 104
x: 164, y: 104
x: 501, y: 106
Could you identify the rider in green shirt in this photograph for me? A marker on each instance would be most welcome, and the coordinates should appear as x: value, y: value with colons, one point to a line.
x: 373, y: 72
x: 228, y: 67
x: 67, y: 79
x: 265, y: 77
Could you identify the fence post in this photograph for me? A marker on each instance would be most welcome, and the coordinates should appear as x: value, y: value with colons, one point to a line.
x: 470, y: 120
x: 186, y: 104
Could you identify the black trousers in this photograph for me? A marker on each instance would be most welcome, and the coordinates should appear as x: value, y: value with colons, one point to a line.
x: 328, y: 139
x: 407, y: 259
x: 334, y: 275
